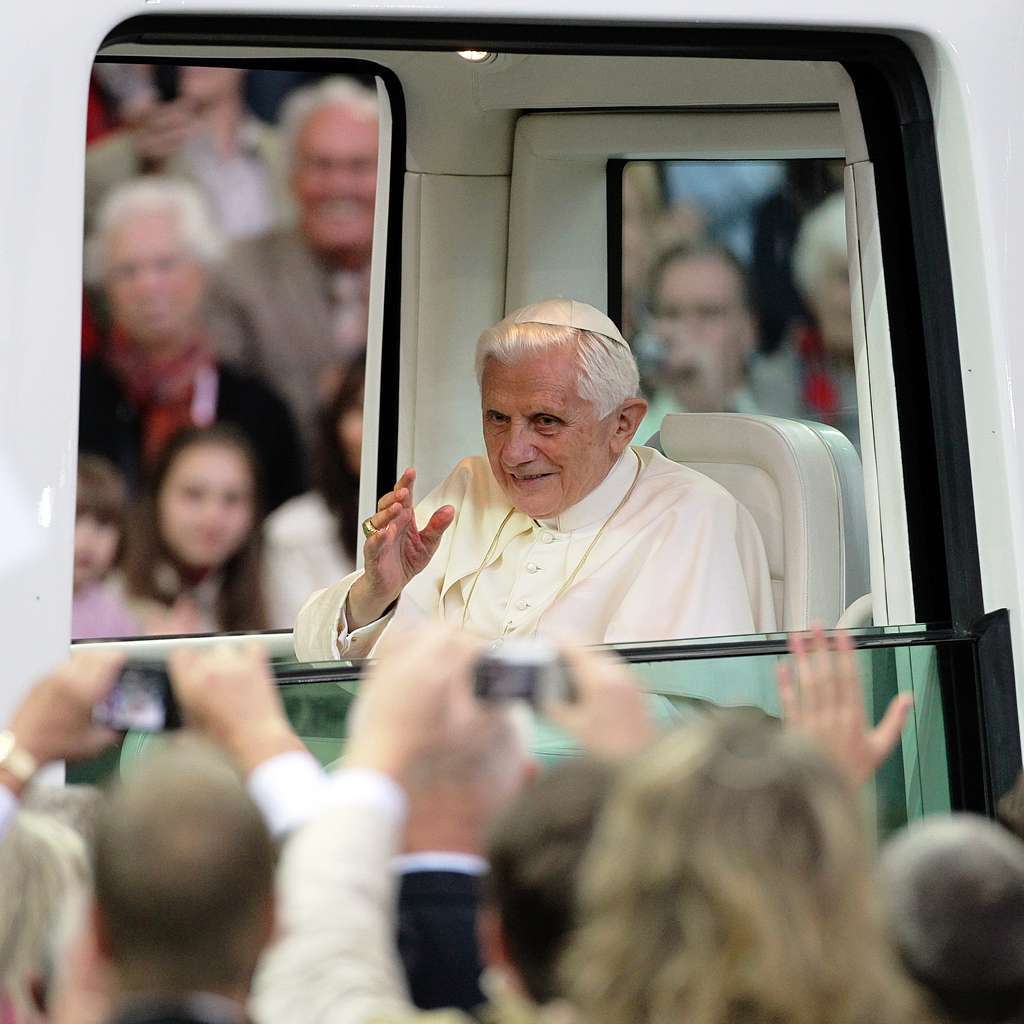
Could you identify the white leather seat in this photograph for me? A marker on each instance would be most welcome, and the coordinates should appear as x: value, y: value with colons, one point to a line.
x: 802, y: 483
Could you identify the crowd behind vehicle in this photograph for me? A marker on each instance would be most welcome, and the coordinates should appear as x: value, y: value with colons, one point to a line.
x: 714, y: 871
x: 229, y: 221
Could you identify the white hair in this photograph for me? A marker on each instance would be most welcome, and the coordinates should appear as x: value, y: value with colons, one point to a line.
x: 822, y: 236
x: 42, y: 864
x: 337, y: 91
x: 146, y: 196
x: 607, y: 375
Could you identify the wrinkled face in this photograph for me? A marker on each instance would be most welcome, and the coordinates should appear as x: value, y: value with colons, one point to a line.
x: 706, y: 332
x: 830, y: 303
x: 334, y: 182
x: 154, y: 285
x: 95, y: 549
x: 546, y: 447
x: 206, y: 506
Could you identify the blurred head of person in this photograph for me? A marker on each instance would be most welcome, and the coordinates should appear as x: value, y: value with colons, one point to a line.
x: 339, y: 451
x: 100, y: 506
x: 151, y: 249
x: 642, y: 202
x: 43, y: 867
x: 822, y: 276
x: 729, y: 880
x: 702, y: 321
x: 205, y: 88
x: 535, y: 850
x: 73, y: 804
x: 199, y: 517
x: 330, y: 134
x: 954, y: 895
x: 183, y: 877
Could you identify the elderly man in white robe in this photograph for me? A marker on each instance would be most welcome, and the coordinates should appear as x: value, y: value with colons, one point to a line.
x: 564, y: 528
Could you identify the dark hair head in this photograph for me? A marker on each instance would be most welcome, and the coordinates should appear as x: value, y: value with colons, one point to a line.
x: 100, y: 491
x: 184, y: 871
x: 240, y: 601
x: 702, y: 250
x: 335, y: 478
x: 535, y: 851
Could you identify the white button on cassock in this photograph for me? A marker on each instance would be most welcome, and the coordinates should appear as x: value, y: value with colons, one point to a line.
x: 532, y: 566
x: 522, y: 604
x: 547, y: 538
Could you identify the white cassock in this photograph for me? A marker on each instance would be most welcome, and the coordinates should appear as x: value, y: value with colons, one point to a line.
x: 680, y: 558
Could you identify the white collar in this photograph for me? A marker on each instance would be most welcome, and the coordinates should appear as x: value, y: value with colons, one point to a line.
x: 438, y: 860
x: 601, y: 501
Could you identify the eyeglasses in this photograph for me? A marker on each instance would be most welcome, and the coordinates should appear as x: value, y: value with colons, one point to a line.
x: 701, y: 314
x: 120, y: 273
x: 325, y: 165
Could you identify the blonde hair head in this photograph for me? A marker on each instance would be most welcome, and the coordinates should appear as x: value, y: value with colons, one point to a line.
x: 729, y: 881
x: 43, y: 866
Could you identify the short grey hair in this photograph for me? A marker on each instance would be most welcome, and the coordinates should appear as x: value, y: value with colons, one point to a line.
x: 953, y: 888
x: 822, y: 234
x: 337, y: 91
x: 607, y: 375
x: 149, y: 195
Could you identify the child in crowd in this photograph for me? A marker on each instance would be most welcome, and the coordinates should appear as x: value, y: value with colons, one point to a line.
x: 310, y: 541
x: 192, y: 562
x: 97, y: 608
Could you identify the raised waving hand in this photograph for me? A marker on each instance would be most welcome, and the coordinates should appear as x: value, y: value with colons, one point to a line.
x: 395, y: 551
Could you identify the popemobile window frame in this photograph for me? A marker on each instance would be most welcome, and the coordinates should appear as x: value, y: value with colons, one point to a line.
x: 973, y: 658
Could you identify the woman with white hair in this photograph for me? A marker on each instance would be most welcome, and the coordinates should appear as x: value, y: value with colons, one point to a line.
x: 564, y: 526
x: 151, y: 252
x: 812, y: 375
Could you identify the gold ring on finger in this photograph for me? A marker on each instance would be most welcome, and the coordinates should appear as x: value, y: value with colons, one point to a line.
x: 368, y: 528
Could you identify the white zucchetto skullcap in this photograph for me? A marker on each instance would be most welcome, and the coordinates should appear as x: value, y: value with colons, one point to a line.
x: 568, y: 313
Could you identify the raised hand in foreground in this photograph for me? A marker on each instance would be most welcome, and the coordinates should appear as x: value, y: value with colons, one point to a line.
x: 820, y: 693
x: 228, y: 694
x: 54, y: 721
x: 608, y: 715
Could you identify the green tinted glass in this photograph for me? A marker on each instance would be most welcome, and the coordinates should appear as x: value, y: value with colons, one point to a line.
x: 914, y: 781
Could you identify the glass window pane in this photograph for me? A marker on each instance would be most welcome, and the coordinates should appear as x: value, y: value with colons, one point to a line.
x: 913, y: 782
x: 735, y: 288
x: 229, y: 218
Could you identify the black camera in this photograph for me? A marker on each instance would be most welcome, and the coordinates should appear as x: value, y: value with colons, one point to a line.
x: 141, y: 700
x: 529, y: 670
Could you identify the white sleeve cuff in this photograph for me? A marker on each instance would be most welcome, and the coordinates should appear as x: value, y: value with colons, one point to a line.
x: 292, y: 788
x: 288, y: 789
x: 369, y: 789
x: 359, y: 642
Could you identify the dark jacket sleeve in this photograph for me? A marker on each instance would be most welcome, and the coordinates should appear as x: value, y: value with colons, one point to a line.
x: 107, y: 423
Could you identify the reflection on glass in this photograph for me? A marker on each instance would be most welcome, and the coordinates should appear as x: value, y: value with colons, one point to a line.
x: 229, y: 228
x: 912, y: 783
x: 735, y: 289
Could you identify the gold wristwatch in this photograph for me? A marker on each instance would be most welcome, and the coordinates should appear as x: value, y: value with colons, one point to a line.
x: 16, y: 760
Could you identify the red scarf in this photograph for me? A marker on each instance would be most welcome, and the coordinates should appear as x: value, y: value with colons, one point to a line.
x: 820, y: 392
x: 161, y: 389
